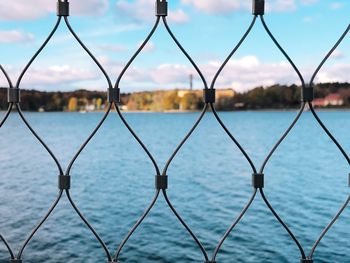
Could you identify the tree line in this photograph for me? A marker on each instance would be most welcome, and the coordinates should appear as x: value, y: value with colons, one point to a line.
x: 273, y: 97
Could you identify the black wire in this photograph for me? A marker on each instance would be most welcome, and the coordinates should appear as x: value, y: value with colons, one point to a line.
x: 39, y: 139
x: 145, y: 148
x: 329, y: 54
x: 144, y: 43
x: 9, y: 109
x: 283, y: 224
x: 138, y: 140
x: 233, y: 52
x: 239, y: 218
x: 89, y: 138
x: 138, y: 223
x: 18, y: 86
x: 185, y: 139
x: 201, y: 247
x: 285, y: 134
x: 101, y: 122
x: 7, y: 114
x: 164, y: 173
x: 42, y: 221
x: 81, y: 148
x: 282, y: 139
x: 7, y: 246
x: 334, y: 220
x: 329, y: 133
x: 324, y: 232
x: 89, y: 52
x: 233, y: 138
x: 6, y: 76
x: 103, y: 245
x: 274, y: 148
x: 336, y: 217
x: 282, y: 50
x: 216, y: 115
x: 38, y: 52
x: 185, y: 52
x: 205, y: 106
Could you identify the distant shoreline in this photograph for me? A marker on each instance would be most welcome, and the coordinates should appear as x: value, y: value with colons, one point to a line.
x: 195, y: 111
x: 328, y: 96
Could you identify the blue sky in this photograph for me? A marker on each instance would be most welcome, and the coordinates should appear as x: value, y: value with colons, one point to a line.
x: 113, y: 29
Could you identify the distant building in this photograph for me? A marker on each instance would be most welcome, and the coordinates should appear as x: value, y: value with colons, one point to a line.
x: 319, y: 102
x: 333, y: 99
x: 90, y: 107
x: 219, y: 92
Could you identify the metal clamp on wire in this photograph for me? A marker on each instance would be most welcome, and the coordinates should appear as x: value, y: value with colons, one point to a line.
x: 258, y: 7
x: 258, y: 180
x: 209, y: 261
x: 307, y: 260
x: 161, y: 182
x: 15, y: 260
x: 161, y: 8
x: 62, y: 8
x: 209, y: 95
x: 113, y: 95
x: 13, y: 95
x: 349, y: 180
x: 64, y: 182
x: 307, y: 94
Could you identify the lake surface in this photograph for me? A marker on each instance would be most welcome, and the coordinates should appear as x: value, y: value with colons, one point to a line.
x: 209, y: 183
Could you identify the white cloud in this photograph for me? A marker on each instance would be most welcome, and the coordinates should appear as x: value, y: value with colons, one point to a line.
x: 308, y: 2
x: 249, y: 72
x: 281, y: 5
x: 336, y: 73
x: 89, y: 7
x: 150, y: 46
x: 336, y: 5
x: 143, y: 10
x: 337, y: 54
x: 229, y: 6
x: 15, y: 36
x: 240, y: 74
x: 112, y: 47
x: 178, y: 16
x: 28, y: 10
x: 217, y: 7
x: 57, y: 77
x: 25, y: 10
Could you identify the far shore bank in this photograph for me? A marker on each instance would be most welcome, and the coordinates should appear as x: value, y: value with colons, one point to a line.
x: 195, y: 111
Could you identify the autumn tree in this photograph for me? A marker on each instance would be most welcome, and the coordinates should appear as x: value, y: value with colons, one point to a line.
x: 73, y: 104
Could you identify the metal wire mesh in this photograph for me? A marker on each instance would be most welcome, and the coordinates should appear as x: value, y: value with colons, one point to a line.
x: 161, y: 179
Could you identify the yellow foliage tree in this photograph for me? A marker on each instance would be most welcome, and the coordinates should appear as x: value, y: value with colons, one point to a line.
x: 73, y: 104
x: 98, y: 103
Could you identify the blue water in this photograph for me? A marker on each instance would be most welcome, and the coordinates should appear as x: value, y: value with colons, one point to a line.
x: 210, y: 181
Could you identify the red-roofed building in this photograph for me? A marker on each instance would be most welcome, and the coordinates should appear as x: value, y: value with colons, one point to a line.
x: 333, y: 99
x: 319, y: 103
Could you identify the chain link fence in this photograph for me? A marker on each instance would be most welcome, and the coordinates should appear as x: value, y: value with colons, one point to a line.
x: 161, y: 177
